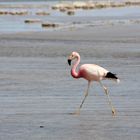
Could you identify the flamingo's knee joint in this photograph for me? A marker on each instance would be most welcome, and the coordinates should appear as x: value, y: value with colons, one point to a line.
x: 106, y: 90
x: 86, y: 94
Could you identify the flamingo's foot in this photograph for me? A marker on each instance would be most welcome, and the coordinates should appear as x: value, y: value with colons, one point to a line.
x: 114, y: 112
x: 77, y: 112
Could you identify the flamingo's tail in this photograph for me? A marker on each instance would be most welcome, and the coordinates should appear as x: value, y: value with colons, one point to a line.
x: 112, y: 76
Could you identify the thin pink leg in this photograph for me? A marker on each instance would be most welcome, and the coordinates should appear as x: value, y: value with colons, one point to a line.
x: 86, y: 94
x: 109, y: 99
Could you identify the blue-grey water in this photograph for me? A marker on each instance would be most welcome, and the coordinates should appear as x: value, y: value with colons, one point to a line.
x: 37, y: 92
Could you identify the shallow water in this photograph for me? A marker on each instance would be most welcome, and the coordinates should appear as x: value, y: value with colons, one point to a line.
x: 36, y: 88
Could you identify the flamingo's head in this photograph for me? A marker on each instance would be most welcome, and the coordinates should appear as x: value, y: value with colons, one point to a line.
x: 73, y: 56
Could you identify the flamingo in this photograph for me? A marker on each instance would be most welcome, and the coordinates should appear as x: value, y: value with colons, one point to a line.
x: 91, y: 72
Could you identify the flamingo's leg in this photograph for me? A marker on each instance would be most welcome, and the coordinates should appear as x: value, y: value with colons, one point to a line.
x: 86, y: 94
x: 109, y: 99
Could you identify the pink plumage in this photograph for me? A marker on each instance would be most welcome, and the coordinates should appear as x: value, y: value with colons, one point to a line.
x: 91, y: 72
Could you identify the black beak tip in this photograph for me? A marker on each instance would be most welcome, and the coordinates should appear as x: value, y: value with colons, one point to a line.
x: 69, y: 61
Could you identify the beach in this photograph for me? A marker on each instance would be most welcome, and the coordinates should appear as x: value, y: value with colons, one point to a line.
x: 38, y: 94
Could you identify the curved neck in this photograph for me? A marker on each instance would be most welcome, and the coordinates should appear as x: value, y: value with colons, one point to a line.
x: 73, y: 70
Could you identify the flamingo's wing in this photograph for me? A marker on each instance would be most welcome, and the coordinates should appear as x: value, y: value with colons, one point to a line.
x: 92, y: 72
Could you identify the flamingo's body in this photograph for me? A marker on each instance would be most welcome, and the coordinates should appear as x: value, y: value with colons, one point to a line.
x: 91, y: 72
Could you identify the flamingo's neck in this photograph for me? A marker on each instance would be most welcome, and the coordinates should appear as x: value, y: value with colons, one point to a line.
x: 73, y: 70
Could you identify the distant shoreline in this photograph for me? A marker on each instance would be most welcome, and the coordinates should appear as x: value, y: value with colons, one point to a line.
x: 52, y: 15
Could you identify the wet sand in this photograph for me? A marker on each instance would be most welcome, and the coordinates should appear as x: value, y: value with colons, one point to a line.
x: 37, y: 92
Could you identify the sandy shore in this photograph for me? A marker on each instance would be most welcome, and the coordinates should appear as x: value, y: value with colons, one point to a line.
x: 37, y: 92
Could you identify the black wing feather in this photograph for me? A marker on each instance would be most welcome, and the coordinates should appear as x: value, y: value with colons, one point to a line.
x: 111, y: 75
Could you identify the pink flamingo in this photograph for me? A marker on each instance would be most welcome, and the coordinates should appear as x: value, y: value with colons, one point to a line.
x: 91, y: 72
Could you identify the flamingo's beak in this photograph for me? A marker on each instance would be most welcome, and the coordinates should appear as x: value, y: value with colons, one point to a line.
x: 69, y: 61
